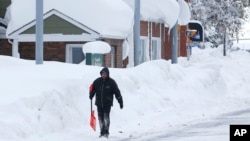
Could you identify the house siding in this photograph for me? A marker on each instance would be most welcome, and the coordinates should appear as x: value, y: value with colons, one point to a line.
x: 156, y: 29
x: 144, y: 28
x: 5, y: 47
x: 152, y: 29
x: 183, y: 40
x: 166, y: 53
x: 167, y: 45
x: 57, y: 25
x: 53, y: 51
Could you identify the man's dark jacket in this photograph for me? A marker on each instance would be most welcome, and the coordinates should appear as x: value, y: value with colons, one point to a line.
x: 104, y: 89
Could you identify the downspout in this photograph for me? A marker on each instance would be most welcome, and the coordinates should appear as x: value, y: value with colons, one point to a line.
x: 14, y: 48
x: 151, y: 35
x: 10, y: 41
x: 137, y: 47
x: 161, y: 42
x: 149, y: 40
x: 174, y: 49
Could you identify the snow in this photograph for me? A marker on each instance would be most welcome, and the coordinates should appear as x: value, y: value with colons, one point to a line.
x: 108, y: 20
x: 185, y: 14
x: 166, y: 11
x: 2, y: 29
x: 244, y: 34
x: 187, y: 101
x: 102, y: 16
x: 50, y: 101
x: 3, y: 21
x: 96, y: 47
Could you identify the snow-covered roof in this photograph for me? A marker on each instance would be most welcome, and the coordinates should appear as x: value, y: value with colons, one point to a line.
x: 2, y: 28
x: 185, y: 13
x: 90, y: 35
x: 2, y: 32
x: 3, y: 22
x: 167, y: 11
x: 110, y: 18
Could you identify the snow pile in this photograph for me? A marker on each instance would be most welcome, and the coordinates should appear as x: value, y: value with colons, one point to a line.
x: 185, y: 13
x: 166, y: 11
x: 244, y: 33
x: 96, y: 47
x: 50, y: 101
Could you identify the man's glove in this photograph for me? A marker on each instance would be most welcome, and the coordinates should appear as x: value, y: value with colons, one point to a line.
x: 120, y: 102
x: 90, y: 97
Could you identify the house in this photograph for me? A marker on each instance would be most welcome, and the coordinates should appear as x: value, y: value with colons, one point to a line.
x: 157, y: 19
x: 67, y: 30
x: 68, y: 26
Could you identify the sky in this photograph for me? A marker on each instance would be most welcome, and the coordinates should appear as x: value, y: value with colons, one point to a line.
x: 50, y: 101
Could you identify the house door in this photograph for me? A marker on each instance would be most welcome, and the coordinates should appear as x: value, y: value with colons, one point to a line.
x: 74, y: 53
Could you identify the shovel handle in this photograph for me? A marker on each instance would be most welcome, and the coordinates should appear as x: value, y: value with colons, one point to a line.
x: 91, y: 105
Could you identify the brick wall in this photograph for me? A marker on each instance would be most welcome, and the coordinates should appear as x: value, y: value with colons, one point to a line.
x: 155, y: 30
x: 166, y: 52
x: 5, y: 47
x: 117, y: 44
x: 27, y: 50
x: 167, y: 45
x: 156, y: 27
x: 144, y: 28
x: 53, y: 51
x: 182, y: 41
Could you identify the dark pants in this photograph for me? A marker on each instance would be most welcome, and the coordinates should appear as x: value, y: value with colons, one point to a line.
x: 104, y: 120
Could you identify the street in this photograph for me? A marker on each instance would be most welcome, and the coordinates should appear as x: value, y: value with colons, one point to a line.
x: 214, y: 129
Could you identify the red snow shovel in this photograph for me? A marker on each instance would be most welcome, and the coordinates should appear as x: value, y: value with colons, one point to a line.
x: 92, y: 119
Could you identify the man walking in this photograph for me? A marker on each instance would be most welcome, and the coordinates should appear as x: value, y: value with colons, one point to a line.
x: 104, y: 88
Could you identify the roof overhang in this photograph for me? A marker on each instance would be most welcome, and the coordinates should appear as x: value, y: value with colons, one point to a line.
x: 55, y: 37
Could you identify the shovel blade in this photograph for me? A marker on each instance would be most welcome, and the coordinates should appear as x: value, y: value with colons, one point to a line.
x: 93, y: 120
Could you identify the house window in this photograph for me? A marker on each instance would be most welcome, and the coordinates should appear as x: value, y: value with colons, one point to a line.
x: 155, y: 49
x: 143, y: 51
x: 74, y: 53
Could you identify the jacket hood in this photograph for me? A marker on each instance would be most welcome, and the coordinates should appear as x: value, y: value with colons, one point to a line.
x: 105, y: 70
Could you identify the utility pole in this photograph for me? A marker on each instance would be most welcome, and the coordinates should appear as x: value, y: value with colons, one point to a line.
x: 174, y: 49
x: 39, y: 32
x: 137, y: 47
